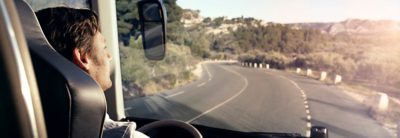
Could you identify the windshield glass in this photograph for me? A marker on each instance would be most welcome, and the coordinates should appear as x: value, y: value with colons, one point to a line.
x: 269, y: 66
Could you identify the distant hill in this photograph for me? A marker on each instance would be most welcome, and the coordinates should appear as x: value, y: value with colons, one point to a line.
x: 354, y: 26
x: 349, y: 26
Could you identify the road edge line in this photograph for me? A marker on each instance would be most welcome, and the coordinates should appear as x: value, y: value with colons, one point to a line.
x: 226, y: 101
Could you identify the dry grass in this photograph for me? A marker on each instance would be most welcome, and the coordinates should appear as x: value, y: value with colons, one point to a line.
x: 388, y: 119
x: 153, y: 88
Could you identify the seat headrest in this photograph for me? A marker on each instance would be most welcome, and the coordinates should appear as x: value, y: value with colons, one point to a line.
x: 73, y: 103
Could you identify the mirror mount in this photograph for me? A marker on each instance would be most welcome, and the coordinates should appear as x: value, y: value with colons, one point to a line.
x: 152, y: 16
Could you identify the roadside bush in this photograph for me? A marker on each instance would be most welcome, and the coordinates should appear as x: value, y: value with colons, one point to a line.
x: 154, y: 76
x: 278, y: 60
x: 333, y: 63
x: 245, y: 58
x: 378, y: 72
x: 299, y: 62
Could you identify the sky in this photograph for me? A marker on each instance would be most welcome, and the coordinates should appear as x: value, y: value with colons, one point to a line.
x: 294, y: 11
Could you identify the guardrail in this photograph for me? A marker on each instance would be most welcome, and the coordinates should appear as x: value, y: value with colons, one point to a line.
x: 255, y: 65
x: 322, y: 75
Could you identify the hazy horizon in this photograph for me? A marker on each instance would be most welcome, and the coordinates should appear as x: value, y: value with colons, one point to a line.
x: 300, y: 11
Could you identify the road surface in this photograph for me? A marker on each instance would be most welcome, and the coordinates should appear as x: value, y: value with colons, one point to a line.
x: 260, y: 100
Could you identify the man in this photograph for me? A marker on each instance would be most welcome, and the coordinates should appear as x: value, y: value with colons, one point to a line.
x: 75, y: 34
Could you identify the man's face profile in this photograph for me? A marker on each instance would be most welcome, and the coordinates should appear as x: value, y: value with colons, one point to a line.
x: 99, y: 62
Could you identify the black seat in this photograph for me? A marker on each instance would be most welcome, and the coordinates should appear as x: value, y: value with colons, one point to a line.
x: 73, y: 103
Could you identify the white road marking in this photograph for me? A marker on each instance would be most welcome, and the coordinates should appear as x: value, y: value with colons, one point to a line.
x: 306, y: 107
x: 128, y: 108
x: 201, y: 84
x: 226, y: 101
x: 309, y: 117
x: 309, y: 125
x: 308, y: 133
x: 209, y: 74
x: 175, y: 94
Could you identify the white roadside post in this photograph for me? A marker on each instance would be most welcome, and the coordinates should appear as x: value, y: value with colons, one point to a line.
x: 383, y: 103
x: 261, y: 65
x: 338, y: 79
x: 298, y: 70
x: 309, y: 72
x: 267, y: 66
x: 323, y: 76
x: 398, y: 129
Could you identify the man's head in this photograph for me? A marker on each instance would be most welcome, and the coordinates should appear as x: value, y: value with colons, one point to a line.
x: 75, y: 34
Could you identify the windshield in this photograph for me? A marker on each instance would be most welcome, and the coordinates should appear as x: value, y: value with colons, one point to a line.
x: 269, y: 66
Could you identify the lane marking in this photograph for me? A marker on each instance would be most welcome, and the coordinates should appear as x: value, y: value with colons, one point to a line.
x: 308, y: 133
x: 209, y: 74
x: 306, y: 106
x: 309, y: 117
x: 201, y: 84
x: 246, y: 83
x: 175, y: 94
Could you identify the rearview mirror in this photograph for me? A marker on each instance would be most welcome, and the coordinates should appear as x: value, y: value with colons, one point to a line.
x: 152, y: 16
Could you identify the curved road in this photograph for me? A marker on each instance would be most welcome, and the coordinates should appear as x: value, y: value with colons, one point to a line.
x: 260, y: 100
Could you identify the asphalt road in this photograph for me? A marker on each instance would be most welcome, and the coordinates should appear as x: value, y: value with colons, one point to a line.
x: 260, y: 100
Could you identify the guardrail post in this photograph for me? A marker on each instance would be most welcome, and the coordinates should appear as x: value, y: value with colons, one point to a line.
x: 267, y: 66
x: 383, y: 103
x: 298, y: 70
x: 309, y: 72
x: 323, y: 76
x: 338, y: 79
x: 398, y: 129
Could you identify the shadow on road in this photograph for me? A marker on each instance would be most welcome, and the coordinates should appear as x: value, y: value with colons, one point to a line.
x: 359, y: 111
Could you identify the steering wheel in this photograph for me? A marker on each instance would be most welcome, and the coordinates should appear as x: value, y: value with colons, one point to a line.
x: 174, y: 123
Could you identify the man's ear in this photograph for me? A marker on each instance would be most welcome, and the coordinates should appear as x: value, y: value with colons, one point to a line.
x: 80, y: 59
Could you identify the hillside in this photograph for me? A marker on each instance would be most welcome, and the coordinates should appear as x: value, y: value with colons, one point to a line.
x: 349, y: 26
x: 356, y: 48
x: 355, y: 26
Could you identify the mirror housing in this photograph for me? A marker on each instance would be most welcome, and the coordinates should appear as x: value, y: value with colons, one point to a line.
x: 319, y: 132
x: 152, y: 16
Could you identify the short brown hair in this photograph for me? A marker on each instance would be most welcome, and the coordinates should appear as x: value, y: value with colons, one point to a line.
x: 67, y: 28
